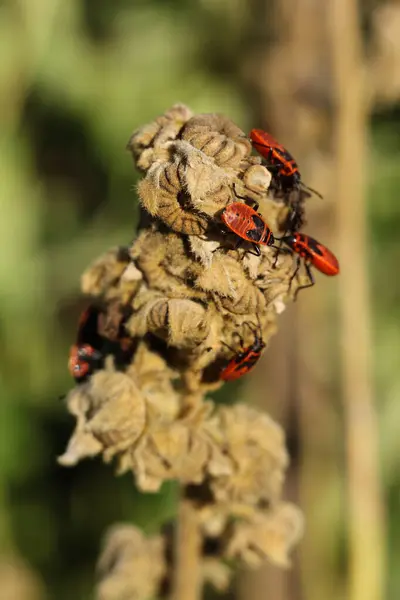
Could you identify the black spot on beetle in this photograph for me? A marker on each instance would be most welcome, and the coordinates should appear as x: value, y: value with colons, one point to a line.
x: 258, y: 222
x: 254, y: 234
x: 315, y: 246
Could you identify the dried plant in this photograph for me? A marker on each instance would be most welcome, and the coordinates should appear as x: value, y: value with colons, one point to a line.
x: 170, y: 308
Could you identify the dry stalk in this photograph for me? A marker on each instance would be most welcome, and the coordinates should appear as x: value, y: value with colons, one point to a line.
x: 169, y: 310
x: 188, y: 552
x: 366, y: 520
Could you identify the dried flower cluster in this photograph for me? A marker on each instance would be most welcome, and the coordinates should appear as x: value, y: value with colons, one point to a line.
x: 131, y: 565
x: 171, y: 306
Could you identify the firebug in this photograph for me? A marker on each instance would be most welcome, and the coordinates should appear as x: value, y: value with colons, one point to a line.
x: 244, y: 360
x: 314, y: 254
x: 85, y: 355
x: 286, y: 175
x: 248, y: 225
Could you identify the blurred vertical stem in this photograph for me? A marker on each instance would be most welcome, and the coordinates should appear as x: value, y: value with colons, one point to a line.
x: 365, y: 506
x: 187, y: 552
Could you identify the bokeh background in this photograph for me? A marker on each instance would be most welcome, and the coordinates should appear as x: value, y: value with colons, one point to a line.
x: 76, y: 78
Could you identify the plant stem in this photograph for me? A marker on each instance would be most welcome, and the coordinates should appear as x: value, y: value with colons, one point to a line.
x: 366, y: 519
x: 187, y: 552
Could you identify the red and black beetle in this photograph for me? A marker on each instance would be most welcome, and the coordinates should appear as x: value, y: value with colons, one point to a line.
x: 82, y: 361
x: 85, y: 355
x: 314, y: 254
x: 248, y: 225
x: 286, y: 175
x: 245, y: 359
x: 279, y: 160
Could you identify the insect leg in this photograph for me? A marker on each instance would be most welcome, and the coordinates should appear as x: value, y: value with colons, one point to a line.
x: 239, y: 243
x: 245, y: 198
x: 229, y: 347
x: 253, y: 328
x: 306, y: 285
x: 298, y: 263
x: 273, y: 168
x: 278, y: 250
x: 257, y: 251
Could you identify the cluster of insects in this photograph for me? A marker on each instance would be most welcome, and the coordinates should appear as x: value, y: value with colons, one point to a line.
x: 88, y: 353
x: 249, y: 226
x: 85, y: 355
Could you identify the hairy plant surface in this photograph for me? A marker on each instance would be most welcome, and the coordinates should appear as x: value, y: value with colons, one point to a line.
x: 174, y: 307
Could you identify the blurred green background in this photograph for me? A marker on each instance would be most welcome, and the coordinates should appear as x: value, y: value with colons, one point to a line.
x: 76, y: 78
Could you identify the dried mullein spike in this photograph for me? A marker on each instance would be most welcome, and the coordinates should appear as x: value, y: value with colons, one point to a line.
x: 182, y: 302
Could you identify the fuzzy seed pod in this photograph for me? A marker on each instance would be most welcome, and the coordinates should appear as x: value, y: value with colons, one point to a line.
x: 255, y: 445
x: 102, y: 277
x: 131, y: 565
x: 110, y: 413
x: 257, y: 179
x: 218, y: 137
x: 147, y: 144
x: 206, y: 184
x: 162, y: 194
x: 271, y: 535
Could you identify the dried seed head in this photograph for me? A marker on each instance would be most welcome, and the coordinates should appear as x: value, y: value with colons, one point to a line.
x: 271, y: 535
x: 218, y: 137
x: 147, y: 144
x: 171, y: 449
x: 257, y: 179
x: 130, y: 565
x: 163, y: 195
x: 176, y: 307
x: 255, y: 445
x: 103, y: 276
x: 110, y: 416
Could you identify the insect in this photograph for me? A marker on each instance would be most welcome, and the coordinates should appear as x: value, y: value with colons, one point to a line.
x: 314, y: 254
x: 248, y: 225
x: 85, y: 355
x: 244, y: 360
x: 286, y: 175
x: 82, y: 361
x: 287, y: 170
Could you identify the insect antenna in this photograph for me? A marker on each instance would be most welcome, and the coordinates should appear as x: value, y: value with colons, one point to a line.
x: 227, y: 346
x: 304, y: 186
x: 253, y: 328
